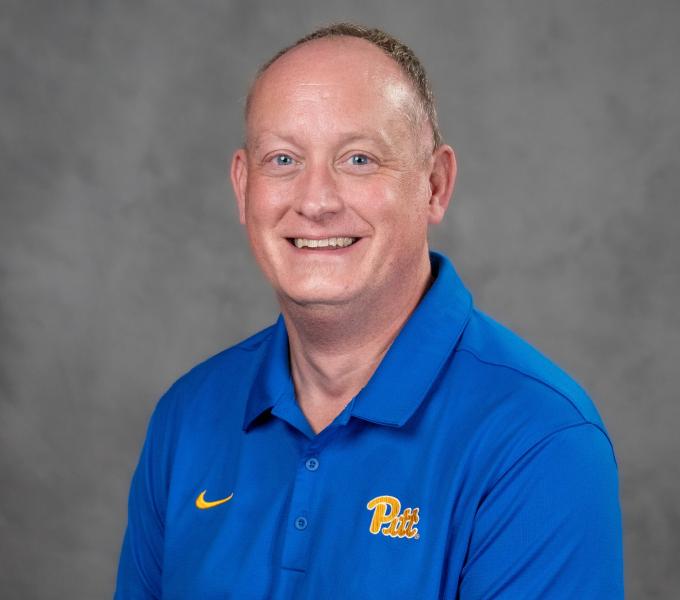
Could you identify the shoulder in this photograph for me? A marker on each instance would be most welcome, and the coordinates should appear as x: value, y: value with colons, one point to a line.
x: 514, y: 362
x: 518, y: 397
x: 204, y: 406
x: 217, y: 382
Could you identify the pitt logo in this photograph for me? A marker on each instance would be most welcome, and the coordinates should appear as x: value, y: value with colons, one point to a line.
x: 390, y: 521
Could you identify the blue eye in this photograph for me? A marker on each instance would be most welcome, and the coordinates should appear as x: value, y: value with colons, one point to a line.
x: 360, y: 160
x: 283, y: 160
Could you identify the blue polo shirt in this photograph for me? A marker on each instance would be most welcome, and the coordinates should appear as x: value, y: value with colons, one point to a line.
x: 468, y: 467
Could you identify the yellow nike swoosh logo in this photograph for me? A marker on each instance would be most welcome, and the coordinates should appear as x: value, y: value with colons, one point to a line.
x: 202, y: 503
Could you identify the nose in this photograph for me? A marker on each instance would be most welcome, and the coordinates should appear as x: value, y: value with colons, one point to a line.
x: 318, y: 193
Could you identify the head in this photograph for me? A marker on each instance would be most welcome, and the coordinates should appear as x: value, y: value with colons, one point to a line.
x: 343, y: 169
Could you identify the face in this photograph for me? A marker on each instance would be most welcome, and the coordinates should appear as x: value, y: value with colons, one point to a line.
x: 339, y: 182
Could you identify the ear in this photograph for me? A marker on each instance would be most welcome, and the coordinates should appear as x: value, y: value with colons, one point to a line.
x: 442, y: 180
x: 239, y: 181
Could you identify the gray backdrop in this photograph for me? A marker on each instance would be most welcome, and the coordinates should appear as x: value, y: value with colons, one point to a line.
x: 122, y: 263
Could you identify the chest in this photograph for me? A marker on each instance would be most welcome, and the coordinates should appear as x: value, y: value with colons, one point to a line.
x: 353, y: 512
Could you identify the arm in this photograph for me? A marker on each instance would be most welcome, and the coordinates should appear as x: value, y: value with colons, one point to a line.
x: 550, y: 527
x: 140, y: 567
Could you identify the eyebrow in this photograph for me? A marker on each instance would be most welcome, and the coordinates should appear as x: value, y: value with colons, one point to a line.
x: 258, y: 142
x: 372, y: 136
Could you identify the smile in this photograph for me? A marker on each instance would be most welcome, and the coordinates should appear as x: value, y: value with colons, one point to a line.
x: 333, y: 242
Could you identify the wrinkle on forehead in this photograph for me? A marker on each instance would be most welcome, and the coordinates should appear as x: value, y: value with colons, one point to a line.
x: 391, y: 93
x: 397, y: 93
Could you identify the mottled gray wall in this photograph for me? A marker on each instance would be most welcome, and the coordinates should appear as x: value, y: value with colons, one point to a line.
x: 122, y: 263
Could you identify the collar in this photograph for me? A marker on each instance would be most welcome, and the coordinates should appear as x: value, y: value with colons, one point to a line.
x: 406, y: 373
x: 273, y: 380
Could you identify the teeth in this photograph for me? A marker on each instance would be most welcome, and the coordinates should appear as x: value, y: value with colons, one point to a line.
x: 334, y: 242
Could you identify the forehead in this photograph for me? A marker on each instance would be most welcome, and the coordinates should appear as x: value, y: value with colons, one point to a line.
x: 340, y: 80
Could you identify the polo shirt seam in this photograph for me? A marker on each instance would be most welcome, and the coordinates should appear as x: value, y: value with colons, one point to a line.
x: 535, y: 378
x: 514, y: 463
x: 544, y: 439
x: 294, y: 569
x: 544, y: 383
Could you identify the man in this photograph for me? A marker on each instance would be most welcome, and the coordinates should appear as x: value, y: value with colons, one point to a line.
x: 383, y: 439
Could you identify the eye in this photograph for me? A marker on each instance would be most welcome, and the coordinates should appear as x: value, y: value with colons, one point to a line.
x: 283, y: 160
x: 359, y: 160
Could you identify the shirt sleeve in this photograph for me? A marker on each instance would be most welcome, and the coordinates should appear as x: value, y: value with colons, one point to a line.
x: 140, y: 566
x: 550, y: 527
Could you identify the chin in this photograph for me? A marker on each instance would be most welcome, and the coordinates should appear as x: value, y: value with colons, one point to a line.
x: 317, y: 295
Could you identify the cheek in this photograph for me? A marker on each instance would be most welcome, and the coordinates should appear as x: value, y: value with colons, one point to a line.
x: 403, y: 202
x: 265, y: 202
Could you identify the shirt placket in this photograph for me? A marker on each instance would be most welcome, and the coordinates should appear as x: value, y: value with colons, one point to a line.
x: 302, y: 516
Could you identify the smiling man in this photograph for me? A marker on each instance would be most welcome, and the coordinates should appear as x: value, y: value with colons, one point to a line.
x: 384, y: 439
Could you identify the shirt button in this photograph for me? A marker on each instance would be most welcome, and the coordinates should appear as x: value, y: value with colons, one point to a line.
x: 300, y: 523
x: 312, y: 464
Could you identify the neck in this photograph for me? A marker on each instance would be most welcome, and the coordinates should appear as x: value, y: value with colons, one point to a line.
x: 335, y: 349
